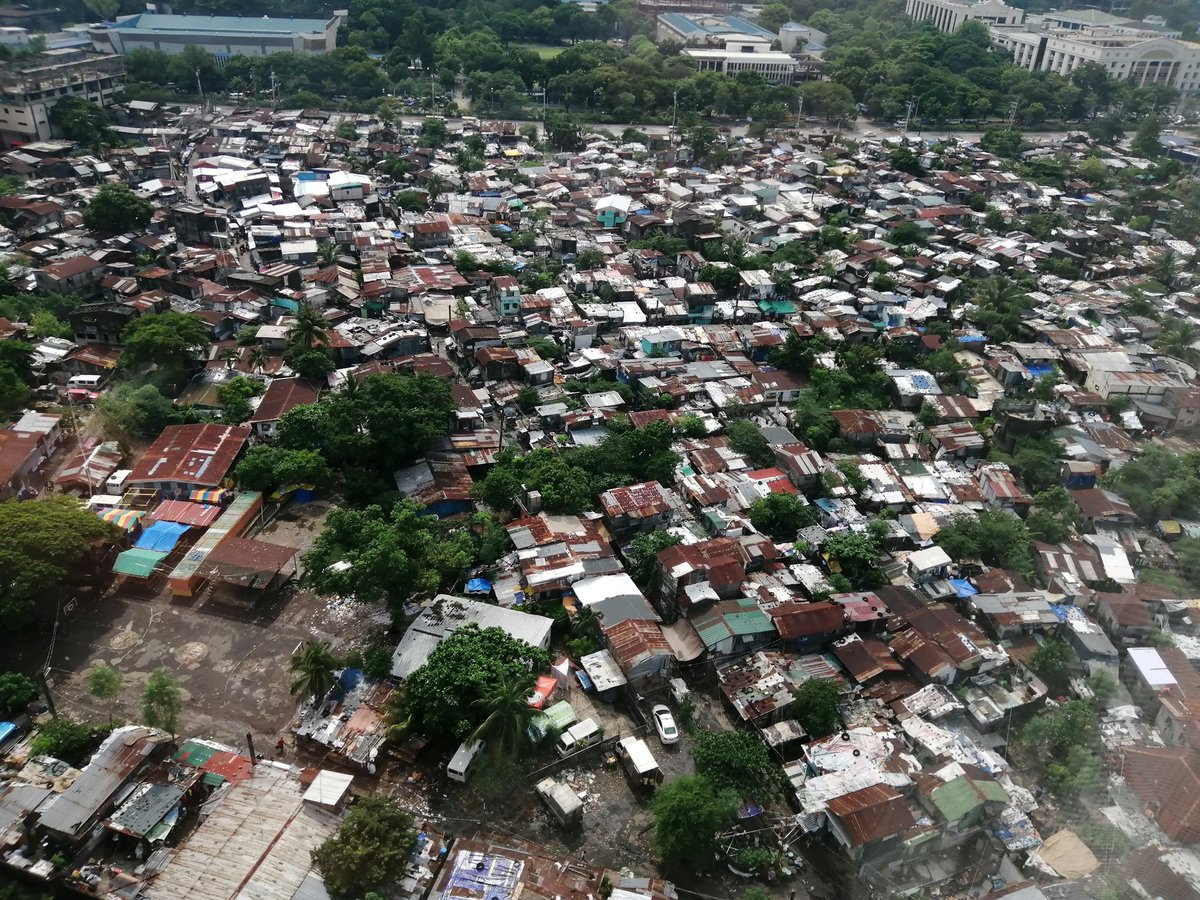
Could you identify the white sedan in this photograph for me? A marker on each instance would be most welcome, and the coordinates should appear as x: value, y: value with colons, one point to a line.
x: 664, y: 724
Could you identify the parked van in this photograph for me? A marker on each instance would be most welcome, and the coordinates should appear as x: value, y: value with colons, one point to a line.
x: 641, y: 768
x: 116, y: 481
x: 87, y: 382
x: 564, y: 804
x: 459, y: 767
x: 98, y: 503
x: 578, y: 736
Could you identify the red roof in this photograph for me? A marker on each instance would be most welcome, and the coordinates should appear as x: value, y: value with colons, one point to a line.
x: 797, y: 620
x: 872, y: 814
x: 283, y: 395
x: 1168, y: 782
x: 191, y: 454
x: 199, y: 515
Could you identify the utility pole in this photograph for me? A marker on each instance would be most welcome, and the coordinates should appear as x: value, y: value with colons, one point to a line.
x: 674, y: 114
x: 1012, y: 113
x: 201, y: 88
x: 799, y: 110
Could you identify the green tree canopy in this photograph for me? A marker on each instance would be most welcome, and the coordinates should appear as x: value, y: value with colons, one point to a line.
x: 641, y: 558
x: 369, y: 851
x: 816, y: 706
x: 781, y: 515
x: 168, y: 339
x: 266, y: 467
x: 1053, y: 662
x: 994, y: 536
x: 44, y: 544
x: 442, y: 697
x: 746, y: 438
x: 162, y: 701
x: 139, y: 412
x: 689, y: 812
x: 116, y: 209
x: 313, y: 668
x: 1159, y: 484
x: 17, y: 691
x: 386, y: 422
x: 82, y: 121
x: 738, y: 761
x: 376, y: 554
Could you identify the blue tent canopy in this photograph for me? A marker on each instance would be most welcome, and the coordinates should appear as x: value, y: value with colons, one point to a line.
x: 963, y: 587
x: 161, y: 536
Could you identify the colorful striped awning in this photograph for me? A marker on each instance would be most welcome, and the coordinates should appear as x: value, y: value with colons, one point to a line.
x: 209, y: 495
x: 125, y: 518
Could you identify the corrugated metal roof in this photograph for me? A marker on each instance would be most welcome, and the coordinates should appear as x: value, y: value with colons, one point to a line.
x: 254, y: 845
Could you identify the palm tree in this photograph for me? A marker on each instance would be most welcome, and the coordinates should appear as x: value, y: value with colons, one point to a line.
x: 435, y: 186
x: 1178, y: 340
x: 327, y: 253
x: 309, y: 330
x: 229, y: 355
x: 314, y: 667
x: 398, y: 717
x: 509, y: 712
x: 258, y: 357
x: 1166, y: 268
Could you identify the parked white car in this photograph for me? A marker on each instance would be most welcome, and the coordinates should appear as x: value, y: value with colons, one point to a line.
x: 664, y: 724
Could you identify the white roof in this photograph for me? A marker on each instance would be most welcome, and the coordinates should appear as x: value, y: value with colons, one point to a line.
x: 1151, y: 666
x: 929, y: 558
x: 328, y: 788
x: 447, y: 614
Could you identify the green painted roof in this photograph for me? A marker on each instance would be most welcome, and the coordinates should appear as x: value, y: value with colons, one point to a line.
x: 956, y: 798
x: 194, y: 754
x: 138, y: 562
x: 744, y: 623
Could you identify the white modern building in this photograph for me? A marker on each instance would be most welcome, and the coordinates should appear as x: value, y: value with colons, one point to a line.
x: 28, y: 90
x: 774, y: 66
x: 222, y: 36
x: 1140, y: 58
x: 948, y: 15
x: 1146, y: 52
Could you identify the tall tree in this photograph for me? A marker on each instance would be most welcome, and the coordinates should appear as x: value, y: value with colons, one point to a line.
x: 688, y: 814
x: 506, y: 702
x: 105, y: 683
x: 43, y: 544
x: 392, y: 555
x: 439, y: 699
x: 168, y: 339
x: 309, y: 329
x: 369, y: 851
x: 116, y: 209
x: 314, y: 670
x: 162, y: 701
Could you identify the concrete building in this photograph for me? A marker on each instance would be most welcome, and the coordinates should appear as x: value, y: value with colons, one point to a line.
x: 709, y: 30
x: 1141, y: 57
x: 948, y: 15
x: 1146, y: 52
x: 222, y: 36
x: 774, y: 66
x: 29, y: 89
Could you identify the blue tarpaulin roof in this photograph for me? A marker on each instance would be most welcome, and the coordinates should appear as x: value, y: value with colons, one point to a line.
x: 963, y: 587
x: 161, y: 536
x: 479, y: 586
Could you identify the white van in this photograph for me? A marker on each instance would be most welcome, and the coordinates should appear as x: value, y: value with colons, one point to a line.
x: 459, y: 767
x: 641, y: 768
x: 98, y: 503
x: 578, y: 736
x: 88, y: 382
x: 116, y: 481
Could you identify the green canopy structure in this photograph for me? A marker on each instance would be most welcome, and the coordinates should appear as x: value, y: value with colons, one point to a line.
x: 138, y: 563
